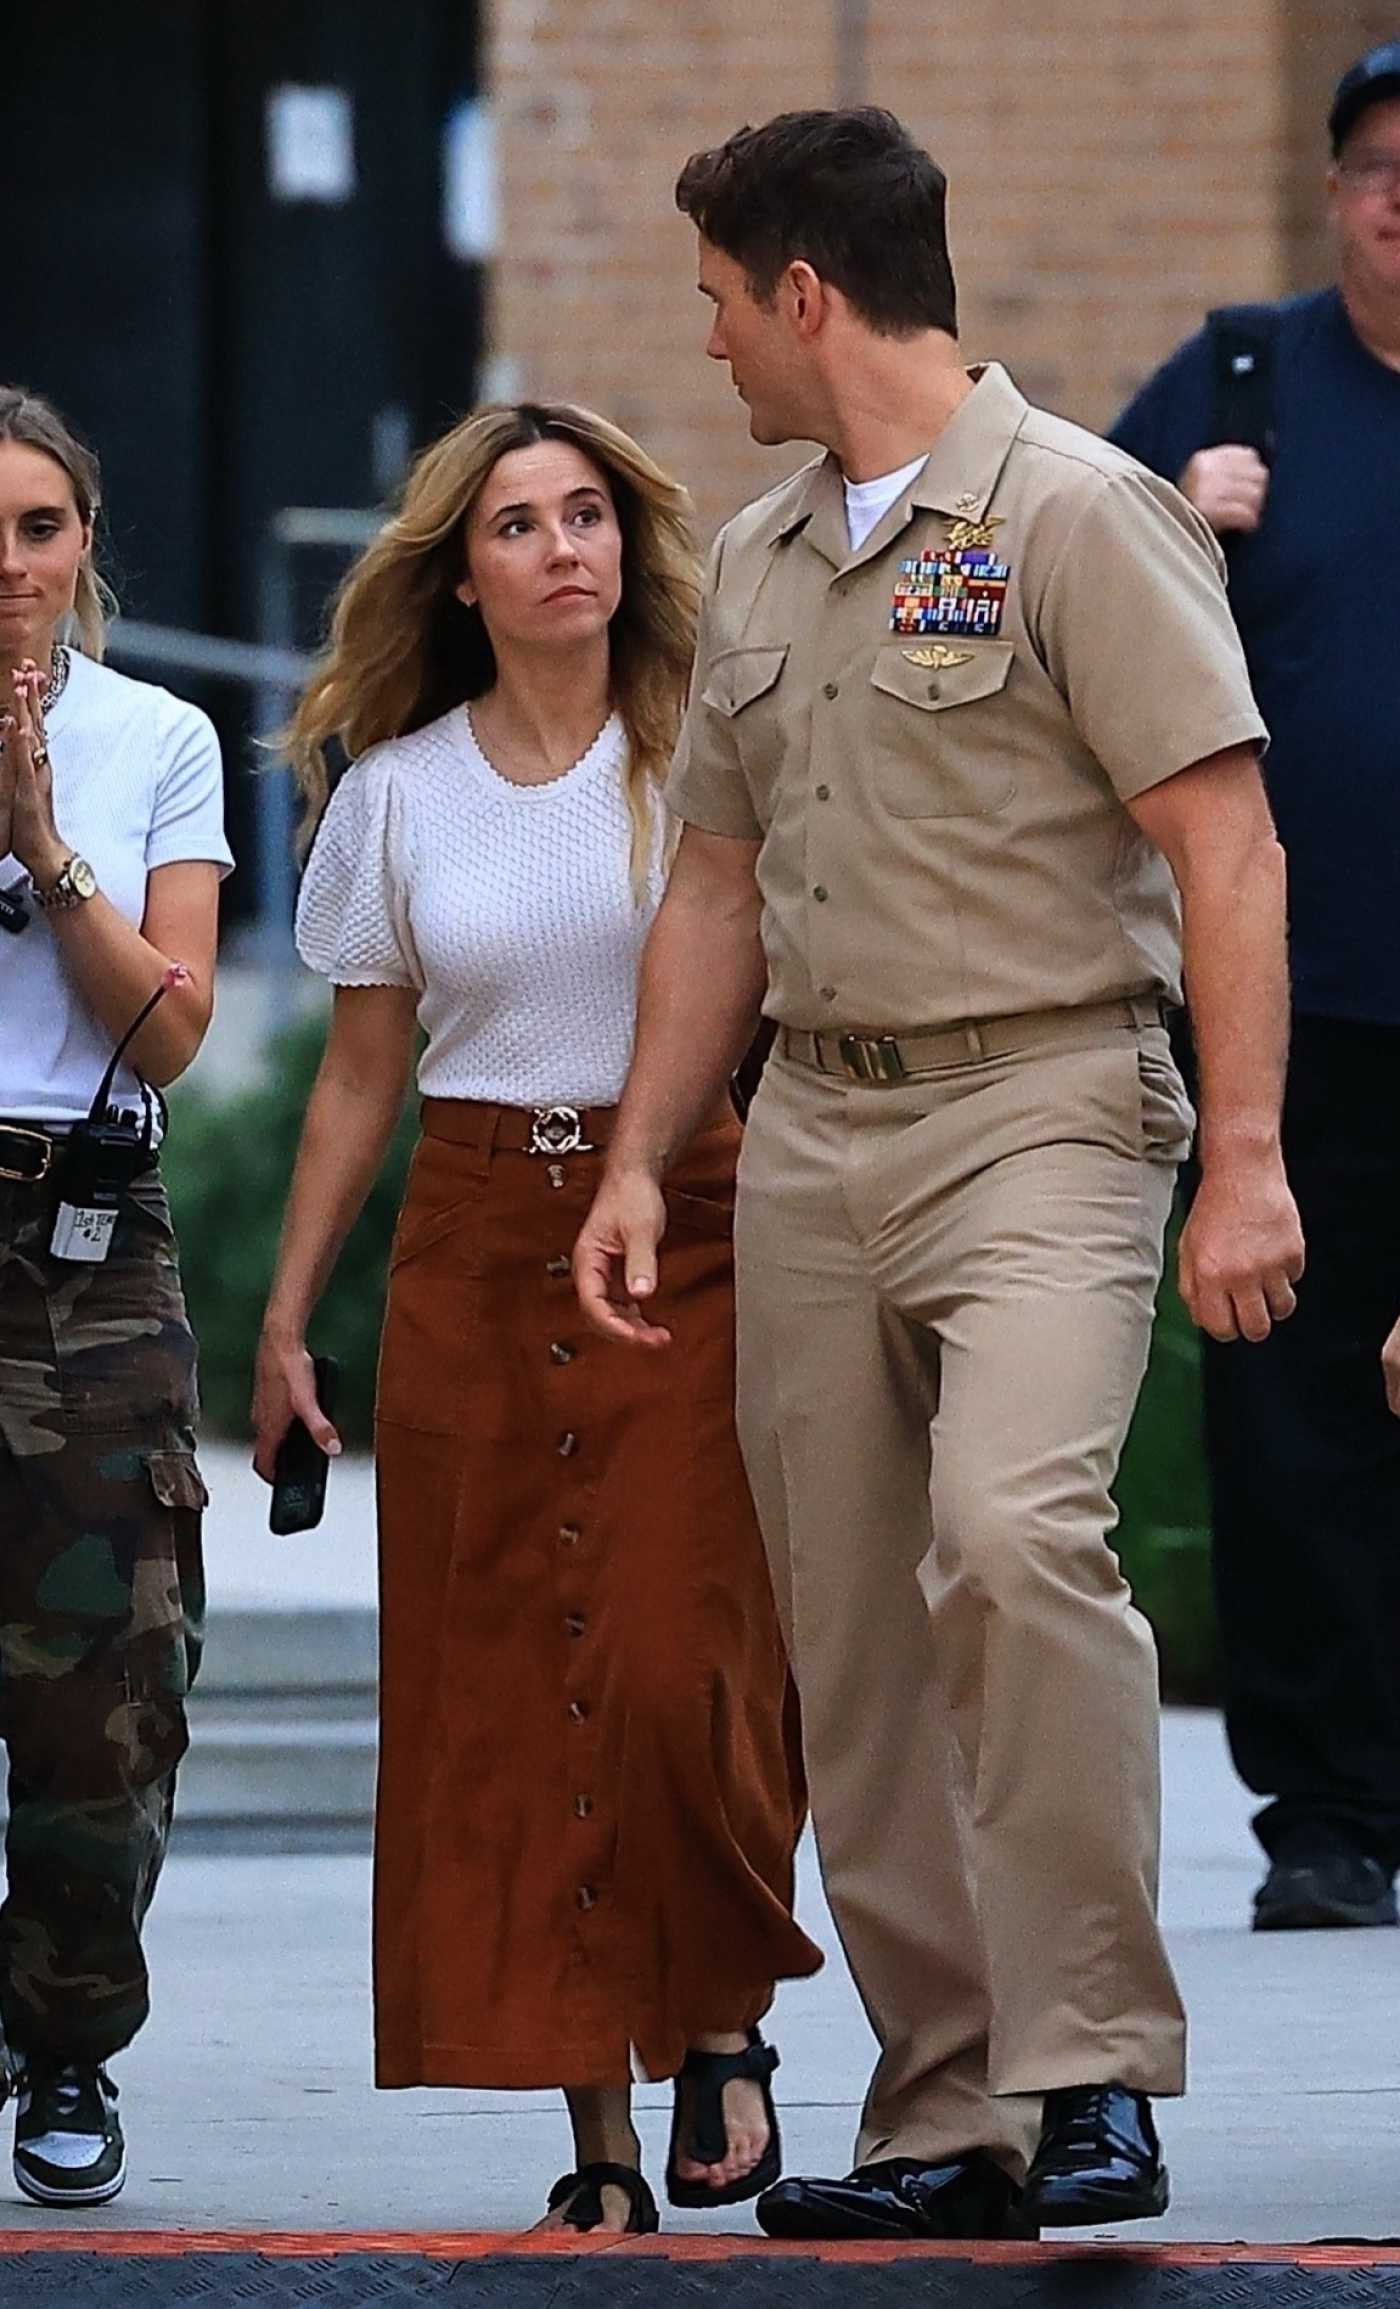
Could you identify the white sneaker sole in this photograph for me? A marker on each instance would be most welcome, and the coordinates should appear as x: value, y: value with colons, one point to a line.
x: 39, y: 2192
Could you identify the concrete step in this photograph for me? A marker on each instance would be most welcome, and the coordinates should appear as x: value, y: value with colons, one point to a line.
x: 282, y: 1731
x: 256, y: 1651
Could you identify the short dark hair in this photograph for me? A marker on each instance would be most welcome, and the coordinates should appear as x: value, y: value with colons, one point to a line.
x: 849, y: 193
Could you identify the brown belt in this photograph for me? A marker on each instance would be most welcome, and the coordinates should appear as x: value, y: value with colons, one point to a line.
x: 541, y: 1130
x: 890, y: 1058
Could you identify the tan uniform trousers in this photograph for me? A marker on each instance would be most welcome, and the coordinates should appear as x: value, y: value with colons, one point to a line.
x: 945, y: 1297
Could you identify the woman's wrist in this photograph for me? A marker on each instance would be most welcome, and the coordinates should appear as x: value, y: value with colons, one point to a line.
x: 284, y: 1328
x: 47, y: 860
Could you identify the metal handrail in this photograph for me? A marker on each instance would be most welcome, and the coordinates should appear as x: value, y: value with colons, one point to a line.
x: 274, y: 670
x: 134, y: 641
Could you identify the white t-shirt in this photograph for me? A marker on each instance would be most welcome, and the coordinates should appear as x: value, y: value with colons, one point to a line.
x: 867, y: 502
x: 137, y: 784
x: 508, y: 908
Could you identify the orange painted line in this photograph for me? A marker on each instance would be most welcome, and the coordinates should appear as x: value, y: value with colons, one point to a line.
x: 474, y: 2245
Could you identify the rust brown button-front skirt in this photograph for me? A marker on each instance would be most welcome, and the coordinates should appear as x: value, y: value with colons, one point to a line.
x: 589, y: 1787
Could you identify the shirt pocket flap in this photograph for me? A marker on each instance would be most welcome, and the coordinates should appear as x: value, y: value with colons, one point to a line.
x: 176, y: 1480
x: 737, y: 676
x: 934, y: 675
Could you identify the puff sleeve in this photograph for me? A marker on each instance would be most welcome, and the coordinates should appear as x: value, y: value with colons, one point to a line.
x: 352, y: 923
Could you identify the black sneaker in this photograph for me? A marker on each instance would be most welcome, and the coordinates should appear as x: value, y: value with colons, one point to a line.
x: 1322, y: 1890
x: 68, y: 2139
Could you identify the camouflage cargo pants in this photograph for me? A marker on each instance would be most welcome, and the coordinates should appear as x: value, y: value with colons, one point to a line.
x: 101, y: 1605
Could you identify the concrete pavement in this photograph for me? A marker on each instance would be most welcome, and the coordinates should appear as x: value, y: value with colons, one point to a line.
x: 249, y: 2106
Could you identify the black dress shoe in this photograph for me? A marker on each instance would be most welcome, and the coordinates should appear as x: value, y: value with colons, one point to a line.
x: 1099, y: 2159
x: 1321, y: 1890
x: 970, y: 2197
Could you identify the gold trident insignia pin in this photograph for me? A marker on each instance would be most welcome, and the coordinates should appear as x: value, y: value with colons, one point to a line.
x: 937, y: 657
x: 967, y: 532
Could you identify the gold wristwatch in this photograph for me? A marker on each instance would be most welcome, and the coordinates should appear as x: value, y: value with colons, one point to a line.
x: 76, y: 882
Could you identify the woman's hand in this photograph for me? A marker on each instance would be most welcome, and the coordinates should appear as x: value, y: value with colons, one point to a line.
x: 27, y: 780
x: 7, y: 786
x: 284, y: 1389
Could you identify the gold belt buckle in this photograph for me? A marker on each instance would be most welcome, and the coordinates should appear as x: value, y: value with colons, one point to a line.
x: 872, y: 1058
x: 31, y: 1138
x: 557, y: 1130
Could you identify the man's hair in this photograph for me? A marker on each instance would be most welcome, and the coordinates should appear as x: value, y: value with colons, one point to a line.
x: 849, y: 193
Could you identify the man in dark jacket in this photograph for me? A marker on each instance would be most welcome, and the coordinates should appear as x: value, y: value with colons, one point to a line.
x: 1305, y: 1460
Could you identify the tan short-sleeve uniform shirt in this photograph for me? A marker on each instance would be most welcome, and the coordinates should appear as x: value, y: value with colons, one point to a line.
x: 932, y: 737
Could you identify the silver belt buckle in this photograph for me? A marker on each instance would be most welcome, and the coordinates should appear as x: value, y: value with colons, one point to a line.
x: 557, y: 1130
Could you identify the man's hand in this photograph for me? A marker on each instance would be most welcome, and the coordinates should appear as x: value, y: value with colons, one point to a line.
x: 615, y: 1258
x: 1390, y: 1364
x: 1241, y: 1249
x: 1227, y: 486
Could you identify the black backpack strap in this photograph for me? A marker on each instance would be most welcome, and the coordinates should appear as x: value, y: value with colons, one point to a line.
x: 1244, y: 344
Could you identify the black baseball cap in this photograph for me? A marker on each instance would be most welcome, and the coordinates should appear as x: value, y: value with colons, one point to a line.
x: 1366, y: 82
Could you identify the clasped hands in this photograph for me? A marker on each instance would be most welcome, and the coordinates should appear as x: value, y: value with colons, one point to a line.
x: 27, y: 825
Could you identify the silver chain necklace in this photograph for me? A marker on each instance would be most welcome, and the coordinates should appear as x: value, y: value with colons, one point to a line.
x: 60, y: 665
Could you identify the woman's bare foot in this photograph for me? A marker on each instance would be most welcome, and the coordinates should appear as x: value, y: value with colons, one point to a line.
x: 745, y: 2123
x: 601, y: 2119
x: 617, y: 2212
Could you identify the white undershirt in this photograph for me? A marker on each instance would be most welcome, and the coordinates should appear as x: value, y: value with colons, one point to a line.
x: 137, y: 784
x: 867, y: 502
x: 508, y: 908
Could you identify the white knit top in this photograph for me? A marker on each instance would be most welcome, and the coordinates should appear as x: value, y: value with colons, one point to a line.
x: 508, y: 907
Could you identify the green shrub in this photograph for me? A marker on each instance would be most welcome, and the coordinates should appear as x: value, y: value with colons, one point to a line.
x: 228, y: 1164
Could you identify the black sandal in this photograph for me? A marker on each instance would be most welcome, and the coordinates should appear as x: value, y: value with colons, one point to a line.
x: 583, y: 2193
x: 707, y: 2073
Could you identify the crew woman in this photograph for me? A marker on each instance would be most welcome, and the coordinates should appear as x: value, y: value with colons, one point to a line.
x: 589, y: 1794
x: 111, y: 850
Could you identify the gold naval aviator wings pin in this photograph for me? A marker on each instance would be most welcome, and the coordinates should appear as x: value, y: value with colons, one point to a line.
x: 937, y: 656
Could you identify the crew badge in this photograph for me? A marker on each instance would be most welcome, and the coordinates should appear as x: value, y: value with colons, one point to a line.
x: 958, y: 587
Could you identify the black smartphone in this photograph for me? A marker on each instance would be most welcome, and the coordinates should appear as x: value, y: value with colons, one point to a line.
x: 300, y: 1468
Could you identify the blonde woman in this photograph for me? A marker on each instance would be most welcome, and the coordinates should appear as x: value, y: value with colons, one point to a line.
x: 111, y: 849
x: 589, y: 1789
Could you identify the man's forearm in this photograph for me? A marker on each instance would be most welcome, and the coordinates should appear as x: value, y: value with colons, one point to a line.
x: 1237, y: 988
x: 702, y: 986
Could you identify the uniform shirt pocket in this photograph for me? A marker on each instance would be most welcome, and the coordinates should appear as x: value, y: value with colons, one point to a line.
x: 741, y: 685
x: 935, y: 726
x: 737, y: 677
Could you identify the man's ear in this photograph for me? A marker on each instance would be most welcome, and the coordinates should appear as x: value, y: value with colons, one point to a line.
x: 803, y: 295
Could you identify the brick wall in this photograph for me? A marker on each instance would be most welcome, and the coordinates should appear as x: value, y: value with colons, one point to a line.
x: 1323, y: 38
x: 1116, y: 166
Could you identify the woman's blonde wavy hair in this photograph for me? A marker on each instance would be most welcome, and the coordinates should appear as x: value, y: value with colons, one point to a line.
x: 404, y: 649
x: 34, y: 423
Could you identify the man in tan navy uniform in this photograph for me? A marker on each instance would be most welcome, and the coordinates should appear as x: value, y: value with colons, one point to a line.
x: 970, y: 733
